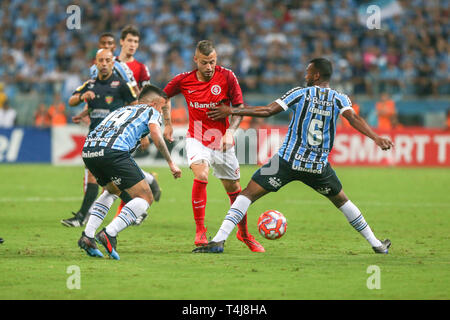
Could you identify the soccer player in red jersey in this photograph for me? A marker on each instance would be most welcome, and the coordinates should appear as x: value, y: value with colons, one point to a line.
x: 210, y: 143
x: 129, y: 41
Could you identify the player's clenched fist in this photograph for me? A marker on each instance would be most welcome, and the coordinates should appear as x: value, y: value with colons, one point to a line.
x: 176, y: 172
x: 88, y: 95
x: 384, y: 143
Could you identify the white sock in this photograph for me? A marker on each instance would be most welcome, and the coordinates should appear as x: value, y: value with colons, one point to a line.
x: 127, y: 216
x: 233, y: 217
x: 98, y: 212
x: 357, y: 221
x: 149, y: 178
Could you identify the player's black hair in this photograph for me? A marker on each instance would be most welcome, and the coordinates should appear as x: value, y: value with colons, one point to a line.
x: 107, y: 34
x: 149, y: 88
x: 130, y: 29
x: 324, y: 67
x: 205, y: 47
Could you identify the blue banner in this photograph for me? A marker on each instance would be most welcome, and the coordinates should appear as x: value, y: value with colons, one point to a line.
x: 25, y: 145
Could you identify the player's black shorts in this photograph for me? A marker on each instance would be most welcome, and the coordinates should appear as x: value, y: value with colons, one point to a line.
x: 112, y: 165
x: 273, y: 176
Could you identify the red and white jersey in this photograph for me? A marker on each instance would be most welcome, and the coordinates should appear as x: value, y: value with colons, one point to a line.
x: 140, y: 72
x: 202, y: 96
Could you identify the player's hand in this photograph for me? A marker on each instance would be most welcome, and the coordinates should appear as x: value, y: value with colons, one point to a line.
x: 219, y: 112
x: 77, y: 118
x: 88, y: 95
x: 384, y: 143
x: 176, y: 172
x: 145, y: 143
x: 168, y: 133
x: 227, y: 141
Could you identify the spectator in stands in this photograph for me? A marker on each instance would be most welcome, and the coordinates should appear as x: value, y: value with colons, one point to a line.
x: 38, y: 52
x: 179, y: 114
x: 447, y: 123
x: 386, y: 112
x: 7, y: 116
x: 57, y: 112
x: 441, y: 81
x: 41, y: 117
x: 342, y: 121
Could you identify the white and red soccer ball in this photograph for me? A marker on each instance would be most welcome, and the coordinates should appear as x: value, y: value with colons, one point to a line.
x: 272, y: 224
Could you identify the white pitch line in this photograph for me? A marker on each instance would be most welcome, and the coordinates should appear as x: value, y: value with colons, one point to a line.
x: 298, y: 202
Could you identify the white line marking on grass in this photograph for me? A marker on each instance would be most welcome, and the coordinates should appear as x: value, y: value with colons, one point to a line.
x: 226, y: 200
x: 42, y: 199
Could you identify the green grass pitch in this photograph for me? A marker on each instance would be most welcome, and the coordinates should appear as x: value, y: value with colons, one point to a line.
x: 320, y: 257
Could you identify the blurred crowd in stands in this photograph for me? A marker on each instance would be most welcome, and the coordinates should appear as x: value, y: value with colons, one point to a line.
x: 266, y: 43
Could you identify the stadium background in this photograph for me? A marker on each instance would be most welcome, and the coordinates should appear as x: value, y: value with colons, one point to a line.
x: 266, y: 43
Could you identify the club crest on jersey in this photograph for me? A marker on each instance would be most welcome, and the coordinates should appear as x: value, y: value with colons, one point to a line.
x: 109, y: 99
x: 216, y: 89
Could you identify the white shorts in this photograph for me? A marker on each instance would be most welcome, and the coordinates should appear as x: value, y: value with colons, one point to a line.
x: 225, y: 164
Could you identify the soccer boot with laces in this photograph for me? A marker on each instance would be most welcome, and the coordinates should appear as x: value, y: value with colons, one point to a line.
x: 251, y: 242
x: 77, y: 221
x: 108, y: 242
x: 89, y: 245
x: 140, y: 219
x: 200, y: 238
x: 154, y: 186
x: 384, y: 248
x: 211, y: 247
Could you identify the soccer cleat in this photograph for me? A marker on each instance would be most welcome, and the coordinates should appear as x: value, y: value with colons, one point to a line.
x: 211, y: 247
x: 1, y: 240
x: 108, y: 242
x: 384, y: 248
x: 200, y: 238
x: 89, y: 245
x: 77, y: 221
x: 141, y: 219
x: 251, y: 242
x: 154, y: 186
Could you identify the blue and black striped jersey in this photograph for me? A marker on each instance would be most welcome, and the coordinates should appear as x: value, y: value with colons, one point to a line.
x: 312, y: 129
x: 123, y: 128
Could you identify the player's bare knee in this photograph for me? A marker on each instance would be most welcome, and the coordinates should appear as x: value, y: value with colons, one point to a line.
x: 339, y: 200
x: 200, y: 170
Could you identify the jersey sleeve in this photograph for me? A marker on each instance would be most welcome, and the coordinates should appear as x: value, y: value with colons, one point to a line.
x: 145, y: 75
x: 155, y: 118
x: 124, y: 72
x: 173, y: 87
x: 127, y: 92
x: 290, y: 98
x: 234, y: 89
x: 82, y: 89
x: 93, y: 71
x: 342, y: 102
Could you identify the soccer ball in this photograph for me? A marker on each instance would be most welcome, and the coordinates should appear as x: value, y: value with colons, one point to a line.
x: 272, y: 224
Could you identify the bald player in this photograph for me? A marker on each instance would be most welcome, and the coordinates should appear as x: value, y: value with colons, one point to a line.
x: 104, y: 94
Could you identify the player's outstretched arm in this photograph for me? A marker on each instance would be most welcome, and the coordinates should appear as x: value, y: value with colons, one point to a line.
x: 223, y: 111
x: 155, y: 133
x: 168, y: 129
x: 361, y: 125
